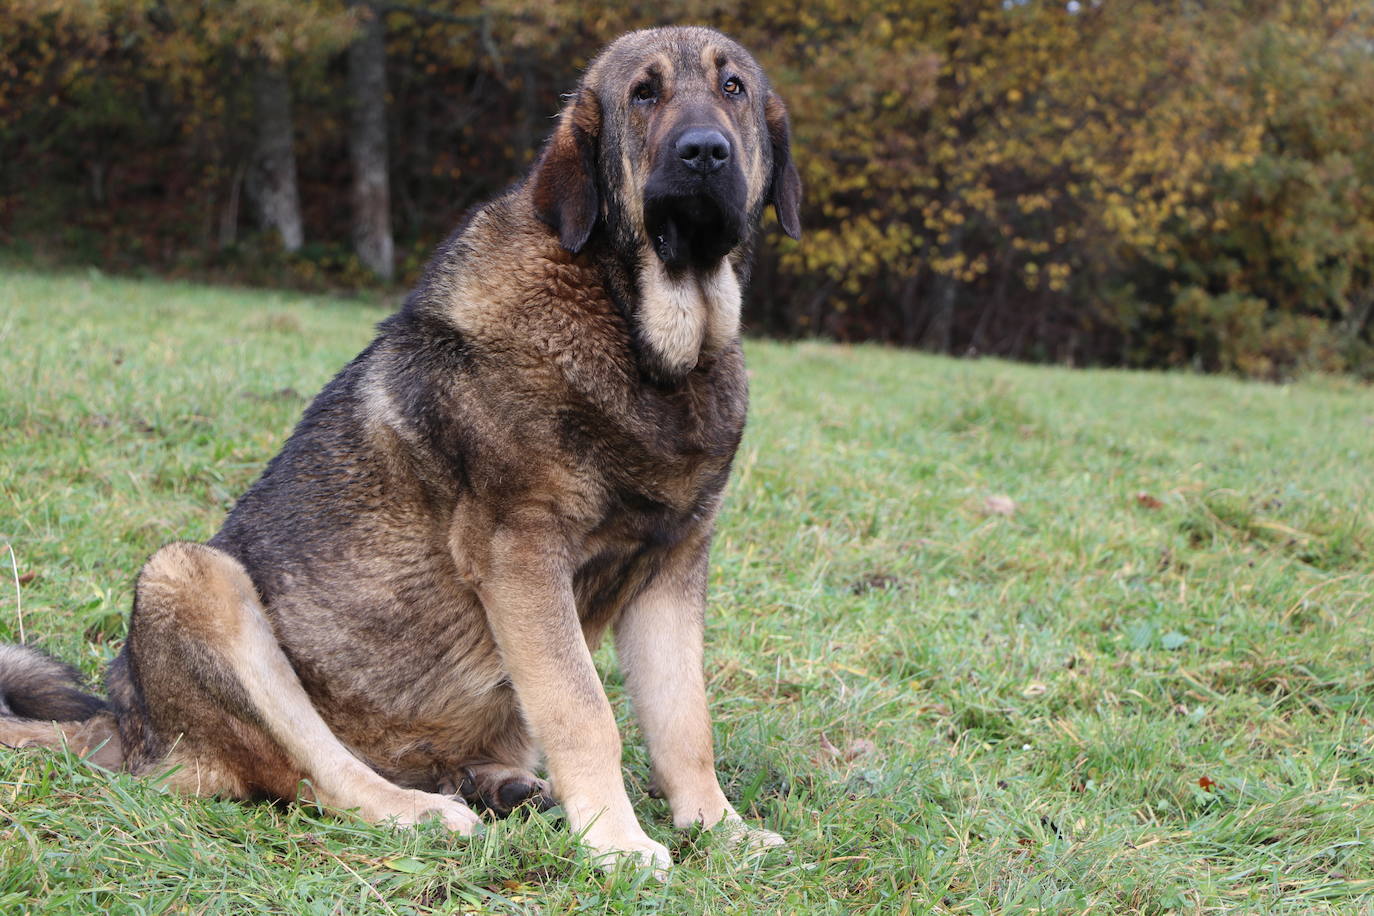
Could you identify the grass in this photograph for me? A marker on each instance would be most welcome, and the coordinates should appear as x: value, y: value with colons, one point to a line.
x: 984, y: 637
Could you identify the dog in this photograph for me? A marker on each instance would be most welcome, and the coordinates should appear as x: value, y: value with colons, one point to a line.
x: 530, y: 454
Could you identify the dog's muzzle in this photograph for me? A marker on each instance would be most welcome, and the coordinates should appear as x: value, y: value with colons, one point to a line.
x: 694, y: 201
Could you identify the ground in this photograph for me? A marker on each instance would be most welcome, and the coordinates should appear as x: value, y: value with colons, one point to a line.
x: 983, y: 637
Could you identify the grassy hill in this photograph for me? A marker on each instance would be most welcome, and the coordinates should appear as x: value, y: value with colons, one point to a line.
x: 983, y: 637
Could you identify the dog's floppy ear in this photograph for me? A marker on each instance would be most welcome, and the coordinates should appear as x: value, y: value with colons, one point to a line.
x: 784, y: 190
x: 564, y: 179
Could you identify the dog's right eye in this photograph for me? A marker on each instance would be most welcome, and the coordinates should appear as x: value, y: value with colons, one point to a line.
x: 645, y: 93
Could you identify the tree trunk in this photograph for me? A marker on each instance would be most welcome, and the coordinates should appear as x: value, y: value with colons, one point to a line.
x: 528, y: 137
x: 99, y: 169
x: 1360, y: 313
x: 229, y: 215
x: 939, y: 335
x: 372, y: 240
x: 908, y: 308
x: 995, y: 308
x: 273, y: 178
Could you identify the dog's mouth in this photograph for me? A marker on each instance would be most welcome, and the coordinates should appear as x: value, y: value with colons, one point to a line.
x: 691, y: 230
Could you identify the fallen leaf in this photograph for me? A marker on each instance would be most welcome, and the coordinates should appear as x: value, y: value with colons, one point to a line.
x: 853, y: 750
x: 859, y: 748
x: 1146, y: 501
x: 1208, y: 784
x: 1173, y: 640
x: 999, y: 505
x: 27, y: 578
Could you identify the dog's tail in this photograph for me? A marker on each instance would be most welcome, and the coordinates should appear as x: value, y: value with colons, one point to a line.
x: 42, y: 704
x: 34, y: 685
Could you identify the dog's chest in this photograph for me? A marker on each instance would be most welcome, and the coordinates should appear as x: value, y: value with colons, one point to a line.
x: 660, y: 476
x: 623, y: 554
x: 661, y: 450
x: 662, y: 472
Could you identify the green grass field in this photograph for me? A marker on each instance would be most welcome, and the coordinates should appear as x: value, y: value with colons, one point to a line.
x: 983, y: 637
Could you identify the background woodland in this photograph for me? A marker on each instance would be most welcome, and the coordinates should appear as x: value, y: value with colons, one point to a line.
x: 1122, y: 182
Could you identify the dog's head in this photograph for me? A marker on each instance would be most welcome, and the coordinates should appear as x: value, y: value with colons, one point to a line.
x: 672, y: 143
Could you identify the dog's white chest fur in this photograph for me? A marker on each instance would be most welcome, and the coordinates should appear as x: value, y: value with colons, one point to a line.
x: 681, y: 317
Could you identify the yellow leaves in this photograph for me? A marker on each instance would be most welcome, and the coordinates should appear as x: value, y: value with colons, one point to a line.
x: 1034, y: 245
x: 950, y: 264
x: 1053, y: 276
x: 1047, y: 143
x: 1120, y: 218
x: 1057, y: 276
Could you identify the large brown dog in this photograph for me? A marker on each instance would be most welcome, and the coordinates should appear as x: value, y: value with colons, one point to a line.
x: 531, y: 452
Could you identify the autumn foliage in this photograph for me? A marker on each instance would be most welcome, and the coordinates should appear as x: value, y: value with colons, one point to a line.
x: 1144, y: 184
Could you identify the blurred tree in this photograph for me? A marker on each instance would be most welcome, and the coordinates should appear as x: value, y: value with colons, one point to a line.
x: 272, y: 177
x: 270, y: 34
x: 1286, y: 278
x: 1151, y: 183
x: 367, y: 143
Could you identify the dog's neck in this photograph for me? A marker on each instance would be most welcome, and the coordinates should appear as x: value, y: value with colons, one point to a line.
x: 680, y: 317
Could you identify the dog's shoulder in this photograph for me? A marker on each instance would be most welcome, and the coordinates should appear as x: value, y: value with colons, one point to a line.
x: 506, y: 286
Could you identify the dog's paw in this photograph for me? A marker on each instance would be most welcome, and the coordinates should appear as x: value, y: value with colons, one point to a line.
x: 637, y: 848
x: 453, y: 814
x: 408, y: 807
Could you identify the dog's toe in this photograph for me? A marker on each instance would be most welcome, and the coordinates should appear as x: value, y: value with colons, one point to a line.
x: 524, y: 790
x: 501, y: 789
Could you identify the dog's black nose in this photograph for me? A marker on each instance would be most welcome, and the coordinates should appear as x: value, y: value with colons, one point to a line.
x: 703, y: 150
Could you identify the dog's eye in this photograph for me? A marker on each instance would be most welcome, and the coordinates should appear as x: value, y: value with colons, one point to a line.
x: 732, y: 86
x: 645, y: 93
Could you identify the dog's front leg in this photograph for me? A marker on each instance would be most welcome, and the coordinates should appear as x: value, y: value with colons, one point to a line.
x: 659, y: 644
x: 527, y: 593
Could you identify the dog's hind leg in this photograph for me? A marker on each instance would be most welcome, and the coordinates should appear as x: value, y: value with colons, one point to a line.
x: 217, y: 688
x: 500, y: 777
x: 503, y: 788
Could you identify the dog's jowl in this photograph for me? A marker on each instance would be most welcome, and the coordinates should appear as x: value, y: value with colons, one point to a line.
x: 400, y: 612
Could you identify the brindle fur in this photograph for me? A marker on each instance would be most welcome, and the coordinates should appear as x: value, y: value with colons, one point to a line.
x: 531, y: 453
